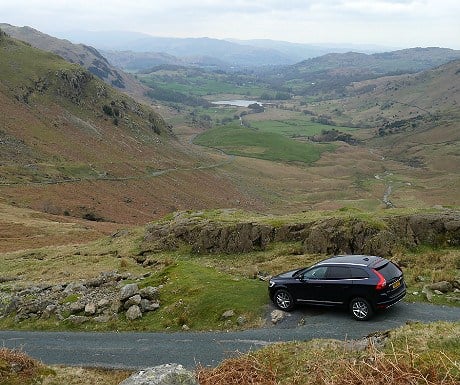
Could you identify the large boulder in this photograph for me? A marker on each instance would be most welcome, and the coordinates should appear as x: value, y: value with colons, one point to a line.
x: 168, y: 374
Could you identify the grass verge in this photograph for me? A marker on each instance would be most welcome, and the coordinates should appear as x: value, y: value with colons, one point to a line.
x: 413, y: 354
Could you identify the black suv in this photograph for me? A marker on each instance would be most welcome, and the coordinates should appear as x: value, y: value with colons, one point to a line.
x: 362, y: 283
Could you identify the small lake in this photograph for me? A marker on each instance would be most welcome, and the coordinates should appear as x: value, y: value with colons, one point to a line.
x: 237, y: 102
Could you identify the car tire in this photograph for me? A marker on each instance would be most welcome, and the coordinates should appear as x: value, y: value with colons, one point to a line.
x: 283, y: 300
x: 361, y: 309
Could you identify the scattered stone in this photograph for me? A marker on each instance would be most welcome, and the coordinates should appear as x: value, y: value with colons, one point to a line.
x: 77, y: 307
x: 102, y: 318
x: 443, y: 286
x: 147, y: 305
x: 185, y: 327
x: 277, y: 316
x: 419, y: 278
x: 438, y: 292
x: 228, y: 314
x: 133, y: 313
x: 168, y: 374
x: 128, y: 291
x: 103, y: 303
x: 428, y: 293
x: 77, y: 319
x: 49, y: 311
x: 241, y: 320
x: 149, y: 292
x: 134, y: 300
x: 90, y: 308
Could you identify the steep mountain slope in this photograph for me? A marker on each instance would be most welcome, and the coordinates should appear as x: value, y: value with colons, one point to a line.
x: 84, y: 55
x: 416, y: 118
x: 72, y: 145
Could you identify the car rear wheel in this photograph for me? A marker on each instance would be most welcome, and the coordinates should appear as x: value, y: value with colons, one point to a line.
x: 361, y: 309
x: 283, y: 300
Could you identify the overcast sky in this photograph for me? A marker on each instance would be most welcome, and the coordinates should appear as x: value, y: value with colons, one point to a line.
x: 392, y: 23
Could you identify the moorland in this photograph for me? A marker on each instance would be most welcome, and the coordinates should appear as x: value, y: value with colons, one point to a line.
x: 87, y: 171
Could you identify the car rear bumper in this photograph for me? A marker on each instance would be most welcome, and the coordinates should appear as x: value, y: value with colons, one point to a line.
x: 386, y: 303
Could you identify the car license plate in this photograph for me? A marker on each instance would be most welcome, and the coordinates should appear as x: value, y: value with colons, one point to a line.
x: 396, y: 284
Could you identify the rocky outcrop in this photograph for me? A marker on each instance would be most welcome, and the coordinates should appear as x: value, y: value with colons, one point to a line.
x: 353, y: 235
x: 101, y: 299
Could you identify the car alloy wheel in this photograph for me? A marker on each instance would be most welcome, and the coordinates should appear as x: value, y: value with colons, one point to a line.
x: 283, y: 300
x: 360, y: 309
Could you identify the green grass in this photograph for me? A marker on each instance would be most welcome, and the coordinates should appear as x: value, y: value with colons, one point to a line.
x: 295, y: 127
x: 201, y: 85
x: 197, y: 296
x: 241, y: 141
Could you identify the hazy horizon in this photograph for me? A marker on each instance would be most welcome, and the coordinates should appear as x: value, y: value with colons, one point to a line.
x: 386, y: 23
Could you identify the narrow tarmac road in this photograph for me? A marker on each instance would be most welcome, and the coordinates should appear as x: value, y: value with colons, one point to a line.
x: 140, y: 350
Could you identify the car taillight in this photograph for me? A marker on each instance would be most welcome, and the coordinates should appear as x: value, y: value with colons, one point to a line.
x: 382, y: 281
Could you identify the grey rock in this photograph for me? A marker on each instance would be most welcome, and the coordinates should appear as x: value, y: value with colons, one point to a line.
x: 277, y: 316
x: 77, y: 307
x: 428, y: 293
x: 77, y: 319
x: 438, y: 292
x: 149, y: 293
x: 90, y: 308
x: 134, y: 300
x: 147, y: 305
x: 103, y: 303
x: 443, y: 286
x: 241, y: 320
x: 74, y: 288
x: 168, y: 374
x: 128, y: 291
x: 49, y: 311
x: 103, y: 318
x: 227, y: 314
x: 133, y: 313
x: 117, y: 306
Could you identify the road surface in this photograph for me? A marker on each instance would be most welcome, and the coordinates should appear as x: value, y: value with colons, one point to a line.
x: 140, y: 350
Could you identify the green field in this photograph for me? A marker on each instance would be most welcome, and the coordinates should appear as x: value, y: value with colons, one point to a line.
x: 295, y: 127
x: 202, y: 84
x: 242, y: 141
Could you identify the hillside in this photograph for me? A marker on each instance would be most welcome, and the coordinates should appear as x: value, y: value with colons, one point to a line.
x: 331, y: 73
x: 73, y: 146
x: 81, y: 54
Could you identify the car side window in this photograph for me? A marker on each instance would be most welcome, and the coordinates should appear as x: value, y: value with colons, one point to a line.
x: 338, y: 272
x: 315, y: 273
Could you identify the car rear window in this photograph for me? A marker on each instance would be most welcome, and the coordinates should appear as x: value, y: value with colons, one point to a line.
x: 358, y: 273
x: 389, y: 271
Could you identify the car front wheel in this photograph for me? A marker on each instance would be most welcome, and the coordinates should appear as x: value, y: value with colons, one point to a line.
x: 360, y: 309
x: 283, y: 300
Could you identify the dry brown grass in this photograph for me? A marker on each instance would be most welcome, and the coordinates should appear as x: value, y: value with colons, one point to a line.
x: 17, y: 368
x: 246, y: 370
x: 334, y: 364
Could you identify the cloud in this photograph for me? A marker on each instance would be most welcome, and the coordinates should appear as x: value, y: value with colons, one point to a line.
x: 390, y: 22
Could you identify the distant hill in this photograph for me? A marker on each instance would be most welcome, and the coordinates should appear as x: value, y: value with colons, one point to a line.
x: 334, y: 71
x: 84, y: 55
x: 415, y: 118
x: 228, y: 53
